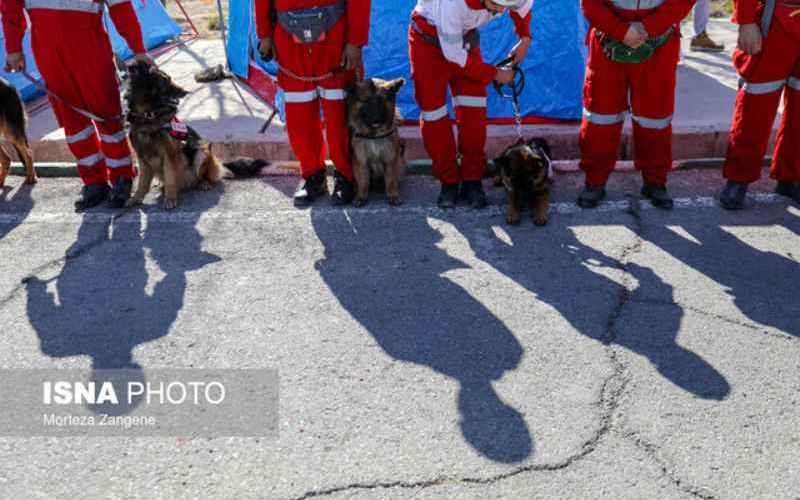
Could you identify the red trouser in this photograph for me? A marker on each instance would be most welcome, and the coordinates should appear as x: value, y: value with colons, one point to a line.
x: 432, y: 75
x: 765, y: 76
x: 302, y: 99
x: 78, y: 66
x: 611, y: 88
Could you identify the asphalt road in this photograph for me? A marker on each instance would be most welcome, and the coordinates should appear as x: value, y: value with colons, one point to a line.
x: 619, y: 353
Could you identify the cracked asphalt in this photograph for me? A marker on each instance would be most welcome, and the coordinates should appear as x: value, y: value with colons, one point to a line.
x: 619, y: 353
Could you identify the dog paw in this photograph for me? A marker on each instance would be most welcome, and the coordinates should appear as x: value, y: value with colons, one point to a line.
x: 395, y: 201
x: 540, y: 221
x: 170, y: 204
x: 359, y: 202
x: 133, y: 202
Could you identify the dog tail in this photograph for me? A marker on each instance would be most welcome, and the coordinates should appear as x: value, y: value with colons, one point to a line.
x: 12, y: 113
x: 241, y: 168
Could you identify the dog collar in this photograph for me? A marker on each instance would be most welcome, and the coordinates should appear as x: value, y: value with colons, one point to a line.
x: 377, y: 137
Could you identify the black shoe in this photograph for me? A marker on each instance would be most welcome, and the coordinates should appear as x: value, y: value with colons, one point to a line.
x: 789, y: 189
x: 313, y: 188
x: 343, y: 191
x: 448, y: 196
x: 472, y: 193
x: 658, y: 196
x: 120, y: 193
x: 591, y: 196
x: 91, y: 196
x: 732, y: 195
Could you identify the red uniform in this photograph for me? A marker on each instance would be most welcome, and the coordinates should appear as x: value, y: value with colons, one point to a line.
x: 647, y: 88
x: 441, y: 58
x: 312, y: 72
x: 775, y: 70
x: 74, y: 56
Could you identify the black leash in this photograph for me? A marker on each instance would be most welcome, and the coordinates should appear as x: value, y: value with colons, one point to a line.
x: 517, y: 86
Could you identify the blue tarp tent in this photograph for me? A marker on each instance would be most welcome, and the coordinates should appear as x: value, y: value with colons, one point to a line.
x: 554, y: 68
x: 157, y: 28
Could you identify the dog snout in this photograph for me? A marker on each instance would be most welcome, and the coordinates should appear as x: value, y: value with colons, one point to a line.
x: 373, y: 113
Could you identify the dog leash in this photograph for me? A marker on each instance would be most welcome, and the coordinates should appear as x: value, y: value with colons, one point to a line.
x: 517, y: 85
x: 63, y: 101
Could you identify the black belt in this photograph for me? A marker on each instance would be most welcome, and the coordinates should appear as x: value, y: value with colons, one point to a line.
x: 472, y: 38
x: 308, y: 25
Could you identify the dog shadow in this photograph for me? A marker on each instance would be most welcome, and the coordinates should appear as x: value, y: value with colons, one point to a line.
x: 17, y: 207
x: 560, y: 270
x: 122, y: 285
x: 762, y: 284
x: 397, y: 292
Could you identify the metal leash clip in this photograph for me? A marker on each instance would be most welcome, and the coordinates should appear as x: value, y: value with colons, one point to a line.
x: 517, y: 86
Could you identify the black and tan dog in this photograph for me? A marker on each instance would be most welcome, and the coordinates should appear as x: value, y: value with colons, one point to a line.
x: 13, y: 123
x: 165, y: 147
x: 377, y: 151
x: 524, y: 170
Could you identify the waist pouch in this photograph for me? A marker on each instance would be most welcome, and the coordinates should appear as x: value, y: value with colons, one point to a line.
x: 310, y: 25
x: 619, y: 52
x: 472, y: 38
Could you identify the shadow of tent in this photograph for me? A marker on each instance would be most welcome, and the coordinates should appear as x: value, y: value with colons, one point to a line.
x: 396, y: 291
x: 107, y: 299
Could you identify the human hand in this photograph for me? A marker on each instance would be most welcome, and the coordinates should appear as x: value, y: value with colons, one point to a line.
x: 504, y: 76
x: 352, y: 59
x: 265, y: 49
x: 750, y: 39
x: 520, y: 50
x: 635, y: 37
x: 15, y: 62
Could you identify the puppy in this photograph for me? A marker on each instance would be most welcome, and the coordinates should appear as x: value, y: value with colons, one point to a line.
x: 375, y: 144
x: 166, y: 148
x: 524, y: 170
x: 13, y: 123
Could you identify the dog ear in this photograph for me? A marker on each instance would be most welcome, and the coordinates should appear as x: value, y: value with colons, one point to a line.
x: 394, y: 86
x: 542, y: 145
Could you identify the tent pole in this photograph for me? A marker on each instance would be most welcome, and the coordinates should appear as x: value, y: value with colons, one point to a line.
x: 223, y: 29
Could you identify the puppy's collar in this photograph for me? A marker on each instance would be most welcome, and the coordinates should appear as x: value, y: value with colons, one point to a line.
x: 376, y: 137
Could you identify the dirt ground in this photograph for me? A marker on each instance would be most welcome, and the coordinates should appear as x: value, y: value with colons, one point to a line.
x: 204, y: 14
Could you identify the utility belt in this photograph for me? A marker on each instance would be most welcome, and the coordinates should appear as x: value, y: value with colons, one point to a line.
x: 311, y: 25
x: 619, y: 52
x: 472, y: 38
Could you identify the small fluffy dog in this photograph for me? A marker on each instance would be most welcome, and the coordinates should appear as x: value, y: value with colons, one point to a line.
x: 378, y: 153
x: 524, y: 170
x: 13, y: 123
x: 166, y: 148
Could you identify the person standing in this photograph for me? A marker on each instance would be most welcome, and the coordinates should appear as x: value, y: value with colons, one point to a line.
x: 444, y: 48
x: 74, y: 56
x: 317, y: 45
x: 768, y: 61
x: 633, y: 59
x: 701, y: 42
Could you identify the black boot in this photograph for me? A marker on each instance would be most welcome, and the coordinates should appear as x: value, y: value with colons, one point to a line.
x: 472, y: 193
x: 448, y: 196
x: 591, y: 196
x: 313, y: 188
x: 91, y: 196
x: 120, y: 193
x: 658, y: 196
x: 343, y: 191
x: 732, y: 195
x: 789, y: 189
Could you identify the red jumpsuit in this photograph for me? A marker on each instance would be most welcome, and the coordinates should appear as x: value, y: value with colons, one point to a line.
x: 315, y: 60
x: 74, y: 56
x: 647, y: 89
x: 434, y: 68
x: 765, y: 76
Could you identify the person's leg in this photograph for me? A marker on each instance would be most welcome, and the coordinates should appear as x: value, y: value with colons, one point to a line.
x: 702, y: 13
x: 469, y: 100
x: 786, y: 158
x: 605, y: 101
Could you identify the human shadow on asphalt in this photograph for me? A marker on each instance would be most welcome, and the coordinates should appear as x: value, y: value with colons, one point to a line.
x: 762, y: 284
x: 560, y: 270
x: 18, y: 207
x: 108, y: 298
x: 390, y: 279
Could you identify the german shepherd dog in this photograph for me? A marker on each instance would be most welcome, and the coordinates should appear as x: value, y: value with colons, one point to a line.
x: 166, y: 148
x: 377, y: 152
x: 13, y: 123
x: 524, y: 170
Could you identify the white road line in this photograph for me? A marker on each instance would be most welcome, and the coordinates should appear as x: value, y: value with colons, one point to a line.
x: 156, y: 215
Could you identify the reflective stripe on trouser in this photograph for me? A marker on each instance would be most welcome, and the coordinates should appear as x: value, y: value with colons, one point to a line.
x: 114, y: 145
x: 431, y: 82
x: 81, y: 70
x: 766, y: 77
x: 610, y: 88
